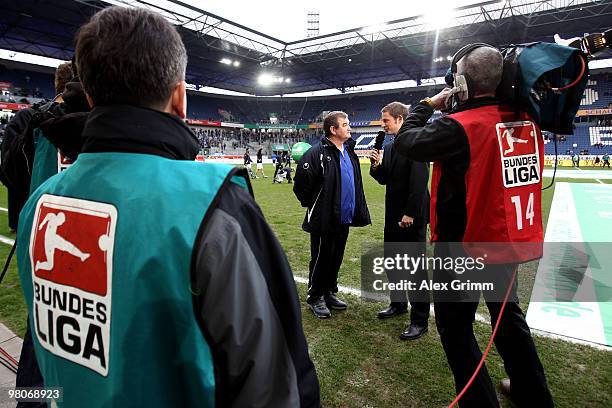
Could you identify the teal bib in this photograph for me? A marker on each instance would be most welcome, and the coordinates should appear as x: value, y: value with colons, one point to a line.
x: 105, y: 254
x: 45, y: 160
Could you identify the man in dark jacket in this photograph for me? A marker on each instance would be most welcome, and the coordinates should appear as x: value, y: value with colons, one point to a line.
x: 16, y: 196
x: 208, y: 306
x: 473, y: 201
x: 328, y: 183
x: 260, y: 166
x: 406, y: 215
x: 62, y: 121
x: 21, y: 134
x: 248, y: 163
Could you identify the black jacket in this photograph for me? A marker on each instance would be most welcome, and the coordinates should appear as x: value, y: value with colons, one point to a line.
x: 62, y: 123
x: 317, y: 186
x: 245, y: 299
x: 445, y: 141
x: 406, y: 192
x: 14, y: 170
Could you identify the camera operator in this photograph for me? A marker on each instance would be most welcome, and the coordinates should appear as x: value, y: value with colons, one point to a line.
x: 471, y: 202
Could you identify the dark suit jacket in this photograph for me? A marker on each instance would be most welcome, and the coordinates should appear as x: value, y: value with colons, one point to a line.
x: 406, y: 182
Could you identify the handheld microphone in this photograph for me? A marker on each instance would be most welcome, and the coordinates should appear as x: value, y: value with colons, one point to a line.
x: 380, y: 138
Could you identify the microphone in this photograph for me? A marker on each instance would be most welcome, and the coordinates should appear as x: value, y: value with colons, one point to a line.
x: 380, y: 138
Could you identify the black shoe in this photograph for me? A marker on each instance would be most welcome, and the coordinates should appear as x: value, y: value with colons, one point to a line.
x: 334, y: 303
x: 394, y: 309
x: 320, y: 309
x: 413, y: 332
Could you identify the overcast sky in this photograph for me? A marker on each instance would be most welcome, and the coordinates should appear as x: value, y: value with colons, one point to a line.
x: 286, y: 19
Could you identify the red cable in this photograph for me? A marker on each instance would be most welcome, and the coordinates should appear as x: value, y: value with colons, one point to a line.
x: 484, y: 355
x: 576, y: 80
x: 7, y: 355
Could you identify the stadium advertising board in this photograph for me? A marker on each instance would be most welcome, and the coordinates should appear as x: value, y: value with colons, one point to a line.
x: 13, y: 106
x: 274, y: 126
x: 566, y: 161
x: 203, y: 122
x: 594, y: 112
x: 232, y: 125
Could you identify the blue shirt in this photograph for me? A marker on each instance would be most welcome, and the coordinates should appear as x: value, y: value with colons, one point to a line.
x: 347, y: 190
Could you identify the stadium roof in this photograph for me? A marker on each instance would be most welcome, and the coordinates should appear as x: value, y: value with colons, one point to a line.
x: 405, y: 49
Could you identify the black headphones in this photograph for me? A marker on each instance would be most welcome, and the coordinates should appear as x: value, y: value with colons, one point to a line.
x: 461, y: 83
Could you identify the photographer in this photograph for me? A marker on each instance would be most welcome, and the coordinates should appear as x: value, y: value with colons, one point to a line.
x: 183, y: 295
x: 471, y: 202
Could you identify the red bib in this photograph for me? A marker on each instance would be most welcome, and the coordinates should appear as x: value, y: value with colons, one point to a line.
x: 503, y: 183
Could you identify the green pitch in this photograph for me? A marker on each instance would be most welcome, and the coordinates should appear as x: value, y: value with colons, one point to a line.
x: 360, y: 360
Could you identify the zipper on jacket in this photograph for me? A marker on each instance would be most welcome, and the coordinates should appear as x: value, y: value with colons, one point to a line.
x: 311, y: 210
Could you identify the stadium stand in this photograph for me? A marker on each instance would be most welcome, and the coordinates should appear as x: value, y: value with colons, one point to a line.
x: 21, y: 86
x: 598, y: 94
x: 593, y: 134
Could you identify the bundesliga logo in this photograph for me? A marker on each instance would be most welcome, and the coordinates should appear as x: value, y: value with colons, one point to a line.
x: 519, y: 153
x: 71, y: 254
x: 63, y: 162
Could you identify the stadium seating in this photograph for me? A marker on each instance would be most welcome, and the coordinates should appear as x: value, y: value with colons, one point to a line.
x: 598, y: 94
x: 364, y: 108
x: 587, y: 136
x: 361, y: 108
x: 27, y: 83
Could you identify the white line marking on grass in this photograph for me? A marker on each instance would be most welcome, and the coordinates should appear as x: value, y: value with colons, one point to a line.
x: 6, y: 240
x: 3, y: 209
x: 342, y: 289
x: 599, y: 181
x: 479, y: 317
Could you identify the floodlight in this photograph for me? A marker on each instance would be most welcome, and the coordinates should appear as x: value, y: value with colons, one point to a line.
x: 265, y: 79
x: 439, y: 18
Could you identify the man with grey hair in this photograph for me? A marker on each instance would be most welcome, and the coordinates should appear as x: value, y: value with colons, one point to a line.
x: 328, y: 183
x: 474, y: 199
x: 406, y: 217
